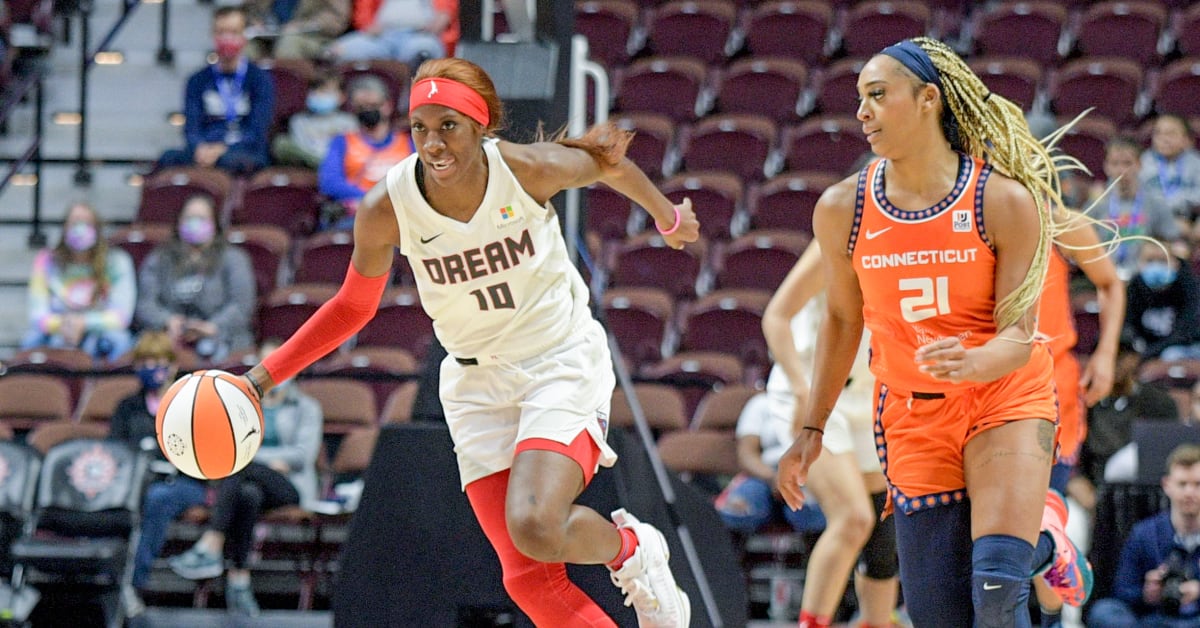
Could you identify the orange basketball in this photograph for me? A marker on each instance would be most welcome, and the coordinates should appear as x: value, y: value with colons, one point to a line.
x: 209, y: 424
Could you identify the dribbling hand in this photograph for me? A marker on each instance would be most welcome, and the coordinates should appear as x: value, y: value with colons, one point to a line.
x: 688, y: 228
x: 794, y: 465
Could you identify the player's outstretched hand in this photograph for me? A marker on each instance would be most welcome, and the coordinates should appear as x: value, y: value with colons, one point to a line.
x: 794, y: 465
x: 688, y: 228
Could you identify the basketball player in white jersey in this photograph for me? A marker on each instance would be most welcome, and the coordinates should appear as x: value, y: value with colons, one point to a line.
x: 528, y: 379
x: 846, y: 479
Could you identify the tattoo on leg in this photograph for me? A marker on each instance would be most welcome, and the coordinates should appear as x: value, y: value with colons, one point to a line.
x: 1045, y: 436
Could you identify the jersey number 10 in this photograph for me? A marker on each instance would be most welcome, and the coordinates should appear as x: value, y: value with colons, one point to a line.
x: 933, y: 298
x: 494, y: 297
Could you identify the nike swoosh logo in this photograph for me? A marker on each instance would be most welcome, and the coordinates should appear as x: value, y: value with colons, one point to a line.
x: 991, y: 587
x: 428, y: 240
x: 871, y: 235
x: 249, y: 434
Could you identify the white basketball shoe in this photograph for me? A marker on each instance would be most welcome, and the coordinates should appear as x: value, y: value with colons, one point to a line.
x: 646, y: 578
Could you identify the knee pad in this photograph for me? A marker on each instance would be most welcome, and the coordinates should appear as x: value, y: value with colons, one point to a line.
x: 878, y: 559
x: 1000, y: 581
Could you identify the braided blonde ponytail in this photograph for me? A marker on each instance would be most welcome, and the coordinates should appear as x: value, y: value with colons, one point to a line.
x: 993, y: 128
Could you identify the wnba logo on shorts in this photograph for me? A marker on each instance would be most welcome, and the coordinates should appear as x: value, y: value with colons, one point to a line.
x: 602, y: 421
x: 962, y: 220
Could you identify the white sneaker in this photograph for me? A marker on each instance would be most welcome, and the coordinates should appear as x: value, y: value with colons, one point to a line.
x: 646, y: 578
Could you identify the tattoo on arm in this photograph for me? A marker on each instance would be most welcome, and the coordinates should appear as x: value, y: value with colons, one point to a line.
x: 1045, y: 436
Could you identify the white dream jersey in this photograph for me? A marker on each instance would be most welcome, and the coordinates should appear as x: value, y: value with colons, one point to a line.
x: 500, y: 286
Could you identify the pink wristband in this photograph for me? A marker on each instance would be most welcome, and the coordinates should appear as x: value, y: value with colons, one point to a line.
x: 674, y: 227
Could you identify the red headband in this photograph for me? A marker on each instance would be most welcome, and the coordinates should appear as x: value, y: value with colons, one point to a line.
x: 448, y: 93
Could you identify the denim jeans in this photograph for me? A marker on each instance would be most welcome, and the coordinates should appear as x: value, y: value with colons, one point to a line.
x: 1113, y: 613
x: 101, y: 345
x: 749, y: 503
x: 165, y: 501
x: 409, y: 46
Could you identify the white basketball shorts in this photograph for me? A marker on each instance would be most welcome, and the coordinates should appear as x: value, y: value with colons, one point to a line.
x: 491, y: 407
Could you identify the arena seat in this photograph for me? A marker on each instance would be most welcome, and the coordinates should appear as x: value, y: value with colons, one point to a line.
x: 872, y: 25
x: 837, y: 87
x: 610, y: 27
x: 736, y: 143
x: 786, y: 201
x: 830, y: 143
x: 773, y: 87
x: 698, y: 29
x: 1129, y: 29
x: 671, y: 86
x: 641, y: 319
x: 795, y: 29
x: 1030, y: 29
x: 759, y: 260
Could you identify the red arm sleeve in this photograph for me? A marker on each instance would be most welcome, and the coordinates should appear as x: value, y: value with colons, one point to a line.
x: 335, y: 321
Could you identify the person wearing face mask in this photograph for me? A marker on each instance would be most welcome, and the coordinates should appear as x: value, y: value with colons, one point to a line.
x: 81, y: 292
x: 197, y: 287
x: 1172, y: 165
x: 311, y: 131
x: 356, y: 161
x: 155, y: 362
x: 228, y: 105
x: 1133, y: 207
x: 1163, y: 298
x: 283, y: 473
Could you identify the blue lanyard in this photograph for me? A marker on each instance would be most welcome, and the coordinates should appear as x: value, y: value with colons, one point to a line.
x: 1170, y: 185
x: 230, y: 89
x: 1135, y: 213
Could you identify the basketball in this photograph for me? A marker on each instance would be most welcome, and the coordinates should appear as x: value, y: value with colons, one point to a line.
x: 209, y: 425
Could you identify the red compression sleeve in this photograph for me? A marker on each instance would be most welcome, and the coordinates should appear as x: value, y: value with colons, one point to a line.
x: 338, y: 319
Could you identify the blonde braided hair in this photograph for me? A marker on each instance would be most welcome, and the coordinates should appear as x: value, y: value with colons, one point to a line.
x: 993, y: 128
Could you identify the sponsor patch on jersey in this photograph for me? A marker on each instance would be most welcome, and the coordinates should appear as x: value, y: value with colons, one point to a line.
x: 962, y: 220
x: 506, y: 216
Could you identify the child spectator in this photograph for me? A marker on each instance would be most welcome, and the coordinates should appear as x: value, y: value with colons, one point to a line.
x: 310, y: 132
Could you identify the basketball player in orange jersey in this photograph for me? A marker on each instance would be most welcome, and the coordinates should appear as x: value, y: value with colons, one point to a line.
x: 940, y: 248
x: 528, y: 379
x: 1080, y: 246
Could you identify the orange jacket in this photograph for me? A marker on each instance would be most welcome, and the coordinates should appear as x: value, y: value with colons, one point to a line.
x: 365, y: 11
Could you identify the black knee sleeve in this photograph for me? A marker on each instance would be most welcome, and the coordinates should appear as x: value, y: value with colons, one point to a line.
x: 878, y: 559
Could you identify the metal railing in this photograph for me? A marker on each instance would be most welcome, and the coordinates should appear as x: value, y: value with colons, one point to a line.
x: 28, y: 83
x: 87, y: 61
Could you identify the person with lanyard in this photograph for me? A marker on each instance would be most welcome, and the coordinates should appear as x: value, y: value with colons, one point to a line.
x: 940, y: 249
x: 1172, y: 166
x: 528, y: 377
x: 1127, y: 205
x: 228, y: 105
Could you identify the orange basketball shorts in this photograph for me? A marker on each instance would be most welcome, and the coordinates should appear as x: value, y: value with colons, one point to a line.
x: 1072, y: 425
x: 920, y: 439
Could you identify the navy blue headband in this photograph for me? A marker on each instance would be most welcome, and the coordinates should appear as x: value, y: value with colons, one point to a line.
x: 913, y: 57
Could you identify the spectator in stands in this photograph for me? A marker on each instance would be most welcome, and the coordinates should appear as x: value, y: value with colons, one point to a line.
x: 310, y: 132
x: 156, y: 365
x: 283, y: 473
x: 198, y: 287
x: 1158, y: 575
x: 1164, y: 304
x: 1133, y: 208
x: 356, y: 161
x: 228, y: 105
x: 405, y: 30
x: 1172, y: 166
x: 749, y: 502
x: 82, y: 292
x: 1110, y: 422
x: 305, y: 33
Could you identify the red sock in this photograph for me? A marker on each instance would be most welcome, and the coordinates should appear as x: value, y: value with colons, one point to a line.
x: 808, y: 620
x: 628, y: 545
